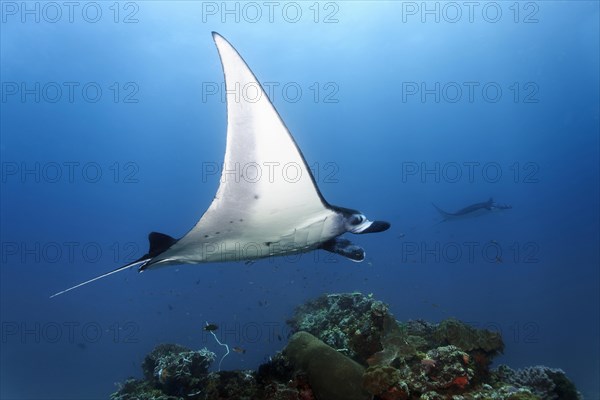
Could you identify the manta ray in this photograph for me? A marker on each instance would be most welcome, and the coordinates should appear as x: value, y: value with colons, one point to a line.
x: 270, y: 213
x: 474, y: 210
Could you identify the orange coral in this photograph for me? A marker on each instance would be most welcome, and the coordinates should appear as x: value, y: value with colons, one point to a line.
x: 394, y: 393
x: 460, y: 381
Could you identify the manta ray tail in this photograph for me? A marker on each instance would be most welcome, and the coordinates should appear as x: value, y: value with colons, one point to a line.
x: 159, y: 242
x: 444, y: 214
x: 114, y: 271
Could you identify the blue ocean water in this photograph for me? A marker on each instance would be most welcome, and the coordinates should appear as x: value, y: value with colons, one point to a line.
x: 113, y: 122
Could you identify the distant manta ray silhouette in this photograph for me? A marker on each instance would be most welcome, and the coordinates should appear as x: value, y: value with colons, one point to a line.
x: 257, y: 218
x: 474, y: 210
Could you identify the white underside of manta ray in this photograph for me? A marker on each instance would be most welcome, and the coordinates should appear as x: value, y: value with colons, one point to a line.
x: 272, y: 215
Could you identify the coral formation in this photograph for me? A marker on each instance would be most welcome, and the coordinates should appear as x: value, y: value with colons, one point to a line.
x: 350, y: 323
x: 176, y: 370
x: 349, y: 346
x: 454, y: 332
x: 385, y: 382
x: 547, y: 383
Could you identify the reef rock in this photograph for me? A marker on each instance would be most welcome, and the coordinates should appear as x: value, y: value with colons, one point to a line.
x: 331, y: 375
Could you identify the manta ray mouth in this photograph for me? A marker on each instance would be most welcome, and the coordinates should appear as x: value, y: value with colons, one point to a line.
x: 374, y: 227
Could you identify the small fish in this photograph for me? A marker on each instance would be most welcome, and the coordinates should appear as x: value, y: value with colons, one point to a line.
x: 239, y: 350
x: 428, y: 364
x: 211, y: 327
x: 279, y: 337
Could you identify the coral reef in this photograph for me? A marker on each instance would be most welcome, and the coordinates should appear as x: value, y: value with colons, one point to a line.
x: 547, y: 383
x: 176, y: 370
x: 350, y: 323
x: 349, y: 346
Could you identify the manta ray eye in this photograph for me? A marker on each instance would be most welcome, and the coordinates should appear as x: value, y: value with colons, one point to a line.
x: 356, y: 219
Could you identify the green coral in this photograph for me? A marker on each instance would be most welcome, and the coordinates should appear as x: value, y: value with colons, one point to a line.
x: 522, y: 396
x: 133, y: 389
x: 432, y: 396
x: 160, y: 351
x: 179, y: 373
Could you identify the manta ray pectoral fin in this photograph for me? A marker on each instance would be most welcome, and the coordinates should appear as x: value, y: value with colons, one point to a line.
x: 114, y: 271
x: 249, y: 210
x: 344, y: 248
